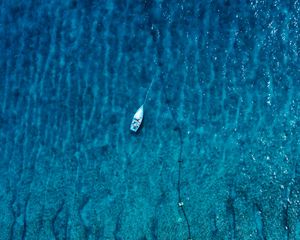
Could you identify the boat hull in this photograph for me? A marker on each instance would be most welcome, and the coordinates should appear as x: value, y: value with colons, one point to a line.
x: 137, y: 119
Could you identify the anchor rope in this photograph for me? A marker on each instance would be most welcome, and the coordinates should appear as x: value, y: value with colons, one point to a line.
x: 148, y: 90
x: 179, y: 160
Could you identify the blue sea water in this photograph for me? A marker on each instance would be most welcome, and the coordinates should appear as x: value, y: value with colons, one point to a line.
x: 220, y: 133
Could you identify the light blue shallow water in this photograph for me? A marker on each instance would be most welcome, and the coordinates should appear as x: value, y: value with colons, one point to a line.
x: 220, y: 131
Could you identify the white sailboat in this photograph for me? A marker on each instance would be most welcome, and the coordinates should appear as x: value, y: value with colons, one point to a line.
x: 139, y: 114
x: 137, y: 119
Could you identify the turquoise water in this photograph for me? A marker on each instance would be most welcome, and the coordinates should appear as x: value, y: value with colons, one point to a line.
x: 220, y: 131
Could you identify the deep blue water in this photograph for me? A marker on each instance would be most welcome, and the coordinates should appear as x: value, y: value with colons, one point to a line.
x: 220, y: 131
